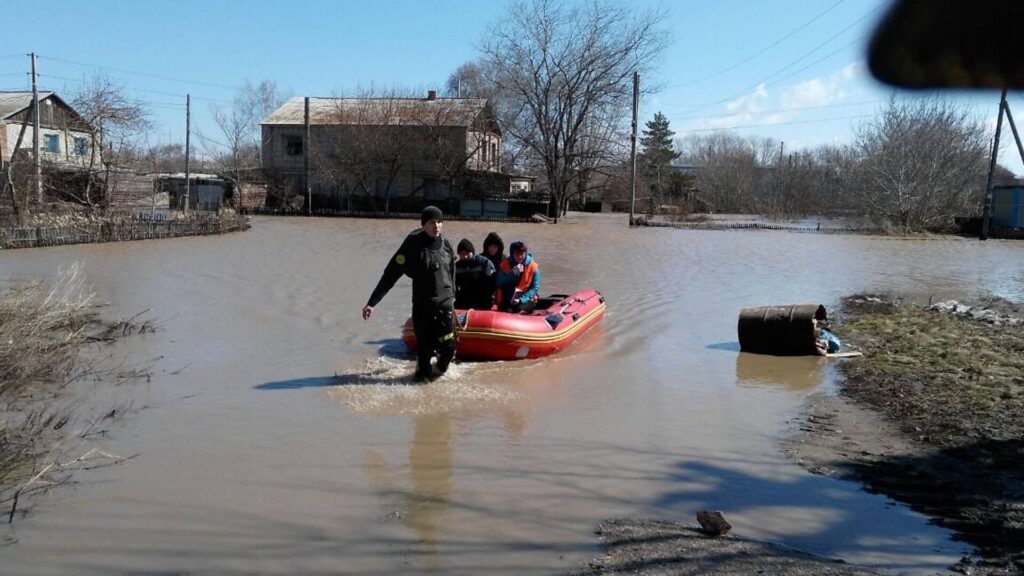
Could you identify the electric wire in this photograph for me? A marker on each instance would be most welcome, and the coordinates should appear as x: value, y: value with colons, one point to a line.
x: 744, y: 91
x: 814, y: 121
x: 143, y: 74
x: 759, y: 52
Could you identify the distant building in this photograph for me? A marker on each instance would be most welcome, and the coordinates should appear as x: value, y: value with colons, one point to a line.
x: 205, y: 191
x: 66, y: 139
x: 388, y: 153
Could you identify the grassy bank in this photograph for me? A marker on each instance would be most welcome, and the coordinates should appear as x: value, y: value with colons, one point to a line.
x: 44, y: 331
x: 953, y: 383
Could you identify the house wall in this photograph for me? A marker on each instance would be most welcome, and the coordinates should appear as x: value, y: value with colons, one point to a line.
x: 486, y: 150
x: 427, y: 155
x: 66, y: 153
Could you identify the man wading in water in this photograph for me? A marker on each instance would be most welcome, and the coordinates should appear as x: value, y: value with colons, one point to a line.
x: 427, y: 258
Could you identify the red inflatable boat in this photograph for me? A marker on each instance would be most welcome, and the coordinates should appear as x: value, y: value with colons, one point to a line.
x: 488, y: 334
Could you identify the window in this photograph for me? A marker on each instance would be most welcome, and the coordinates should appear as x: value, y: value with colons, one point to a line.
x: 51, y: 143
x: 485, y: 152
x: 293, y: 145
x: 81, y: 146
x: 494, y: 153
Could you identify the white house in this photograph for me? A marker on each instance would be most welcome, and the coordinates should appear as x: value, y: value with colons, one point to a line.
x: 65, y: 138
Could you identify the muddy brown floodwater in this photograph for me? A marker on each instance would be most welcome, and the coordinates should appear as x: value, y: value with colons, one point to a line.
x: 279, y: 433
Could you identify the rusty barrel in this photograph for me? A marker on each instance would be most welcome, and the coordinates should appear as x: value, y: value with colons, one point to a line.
x: 788, y: 330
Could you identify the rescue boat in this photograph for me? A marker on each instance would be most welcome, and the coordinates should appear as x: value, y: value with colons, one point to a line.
x: 557, y: 321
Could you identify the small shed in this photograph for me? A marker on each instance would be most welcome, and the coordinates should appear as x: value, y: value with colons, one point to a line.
x: 1007, y: 207
x: 205, y: 191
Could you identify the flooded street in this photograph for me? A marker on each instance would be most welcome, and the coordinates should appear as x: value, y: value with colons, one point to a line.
x: 280, y: 434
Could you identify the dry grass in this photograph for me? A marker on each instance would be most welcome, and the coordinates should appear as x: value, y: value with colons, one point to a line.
x: 945, y: 380
x: 44, y: 328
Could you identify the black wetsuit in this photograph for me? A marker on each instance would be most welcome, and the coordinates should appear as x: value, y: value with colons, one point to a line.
x: 430, y: 262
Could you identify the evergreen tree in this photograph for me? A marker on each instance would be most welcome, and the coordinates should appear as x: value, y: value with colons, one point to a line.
x: 656, y: 159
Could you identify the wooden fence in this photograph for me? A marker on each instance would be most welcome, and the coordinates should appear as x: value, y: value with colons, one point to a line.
x: 377, y: 215
x: 117, y: 231
x: 711, y: 225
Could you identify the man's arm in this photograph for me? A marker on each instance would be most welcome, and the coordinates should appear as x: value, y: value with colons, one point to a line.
x: 392, y: 272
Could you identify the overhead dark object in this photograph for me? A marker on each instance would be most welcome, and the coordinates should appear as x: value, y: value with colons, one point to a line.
x: 950, y: 44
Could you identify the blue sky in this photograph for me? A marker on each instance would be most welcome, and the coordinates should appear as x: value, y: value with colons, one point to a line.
x: 792, y: 70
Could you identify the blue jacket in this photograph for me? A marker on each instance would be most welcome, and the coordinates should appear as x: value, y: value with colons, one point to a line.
x: 509, y: 279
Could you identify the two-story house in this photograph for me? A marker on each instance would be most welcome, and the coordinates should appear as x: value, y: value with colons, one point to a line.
x: 372, y: 153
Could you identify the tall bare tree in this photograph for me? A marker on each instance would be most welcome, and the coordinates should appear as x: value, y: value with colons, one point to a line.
x: 116, y: 121
x: 565, y: 71
x: 239, y: 153
x: 921, y: 163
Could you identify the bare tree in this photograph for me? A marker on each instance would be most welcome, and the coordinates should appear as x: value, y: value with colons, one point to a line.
x: 565, y: 72
x: 239, y: 153
x: 379, y: 147
x: 921, y: 163
x: 116, y: 122
x: 368, y: 150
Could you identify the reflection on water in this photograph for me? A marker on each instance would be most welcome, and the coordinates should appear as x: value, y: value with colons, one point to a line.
x: 283, y: 434
x: 423, y: 504
x: 790, y: 372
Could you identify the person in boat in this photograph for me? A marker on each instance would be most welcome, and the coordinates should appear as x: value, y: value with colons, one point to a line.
x: 474, y: 278
x: 428, y: 258
x: 518, y: 280
x: 494, y: 250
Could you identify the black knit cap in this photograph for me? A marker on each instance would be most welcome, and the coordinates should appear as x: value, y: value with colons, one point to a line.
x: 431, y: 213
x: 465, y: 246
x: 517, y: 246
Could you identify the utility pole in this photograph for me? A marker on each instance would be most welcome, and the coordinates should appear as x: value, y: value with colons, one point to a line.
x: 188, y: 149
x: 35, y: 132
x: 1013, y: 126
x: 305, y: 158
x: 782, y: 175
x: 632, y: 138
x: 992, y: 169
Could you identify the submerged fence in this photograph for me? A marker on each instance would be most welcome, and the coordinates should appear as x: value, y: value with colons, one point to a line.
x: 118, y: 230
x: 331, y: 213
x: 712, y: 225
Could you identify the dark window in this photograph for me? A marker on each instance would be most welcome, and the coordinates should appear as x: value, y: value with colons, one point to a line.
x: 494, y: 153
x: 51, y: 143
x: 293, y: 145
x: 81, y: 146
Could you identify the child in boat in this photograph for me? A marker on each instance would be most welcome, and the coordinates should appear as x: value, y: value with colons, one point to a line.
x: 474, y: 278
x: 518, y: 280
x: 494, y: 250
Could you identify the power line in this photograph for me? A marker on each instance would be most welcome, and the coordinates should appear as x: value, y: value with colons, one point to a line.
x: 823, y: 58
x: 144, y: 74
x: 780, y: 123
x: 759, y: 52
x: 161, y: 92
x: 775, y: 110
x: 793, y: 63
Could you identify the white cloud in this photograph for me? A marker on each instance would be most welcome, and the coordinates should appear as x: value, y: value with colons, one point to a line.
x: 751, y: 103
x: 824, y: 90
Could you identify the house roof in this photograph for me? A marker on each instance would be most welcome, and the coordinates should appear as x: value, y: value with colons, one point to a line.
x: 13, y: 102
x: 380, y: 111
